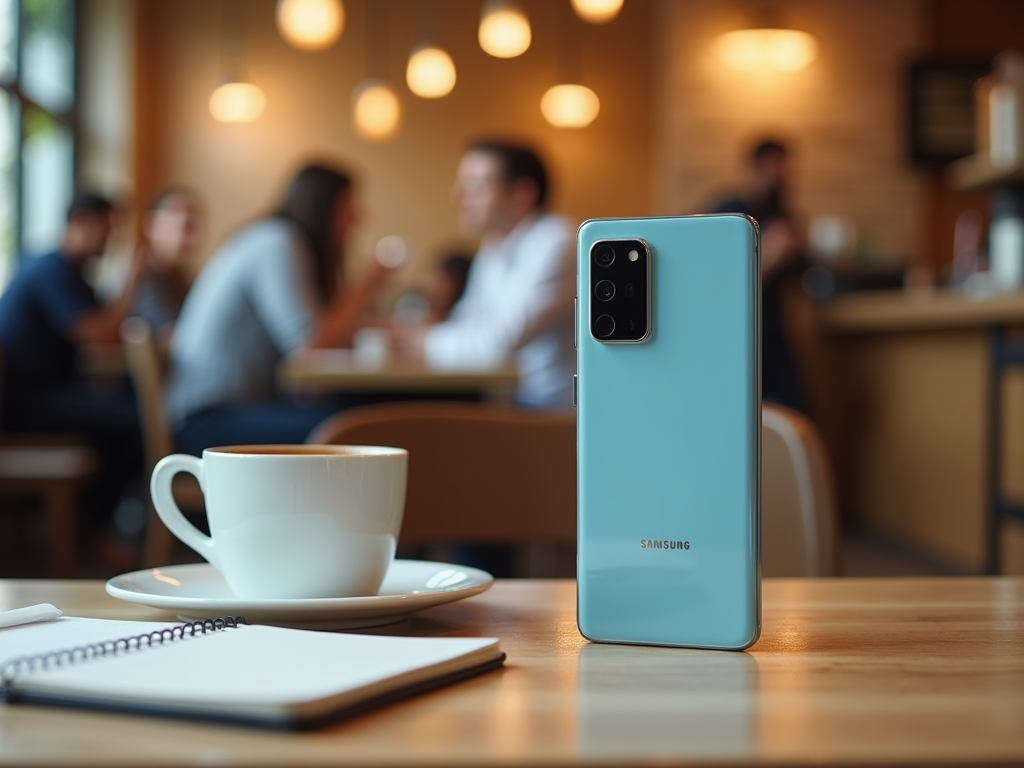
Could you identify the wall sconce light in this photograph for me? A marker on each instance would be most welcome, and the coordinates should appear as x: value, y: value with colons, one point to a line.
x: 377, y: 111
x: 597, y: 11
x: 504, y: 29
x: 310, y: 25
x: 784, y: 50
x: 430, y: 73
x: 570, y: 106
x: 237, y: 102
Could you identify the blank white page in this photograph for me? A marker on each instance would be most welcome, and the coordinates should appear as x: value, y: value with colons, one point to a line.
x: 257, y: 669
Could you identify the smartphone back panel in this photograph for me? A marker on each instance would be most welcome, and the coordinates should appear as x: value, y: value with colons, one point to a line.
x: 669, y: 440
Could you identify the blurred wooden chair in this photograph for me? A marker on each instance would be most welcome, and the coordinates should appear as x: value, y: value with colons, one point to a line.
x: 799, y: 520
x: 53, y: 469
x: 492, y: 475
x: 477, y: 474
x: 146, y: 370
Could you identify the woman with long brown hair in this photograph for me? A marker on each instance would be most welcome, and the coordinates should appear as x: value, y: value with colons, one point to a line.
x: 272, y: 289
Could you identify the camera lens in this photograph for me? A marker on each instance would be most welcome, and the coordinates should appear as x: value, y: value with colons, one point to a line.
x: 604, y: 255
x: 604, y: 326
x: 605, y: 290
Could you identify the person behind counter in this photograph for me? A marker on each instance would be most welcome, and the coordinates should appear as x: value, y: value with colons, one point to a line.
x: 518, y: 299
x: 272, y: 289
x: 762, y: 195
x: 48, y: 314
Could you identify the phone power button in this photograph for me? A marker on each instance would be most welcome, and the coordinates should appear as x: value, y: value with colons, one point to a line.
x: 575, y: 387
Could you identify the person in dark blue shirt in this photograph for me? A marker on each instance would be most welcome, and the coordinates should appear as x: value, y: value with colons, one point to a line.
x: 47, y: 314
x: 762, y: 195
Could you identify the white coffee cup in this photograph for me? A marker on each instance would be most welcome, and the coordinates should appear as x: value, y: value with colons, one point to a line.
x: 292, y: 521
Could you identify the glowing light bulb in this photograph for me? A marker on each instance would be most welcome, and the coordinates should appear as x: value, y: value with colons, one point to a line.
x: 237, y: 103
x: 597, y: 11
x: 310, y: 25
x: 504, y: 30
x: 431, y: 73
x: 570, y: 106
x: 785, y: 50
x: 377, y: 111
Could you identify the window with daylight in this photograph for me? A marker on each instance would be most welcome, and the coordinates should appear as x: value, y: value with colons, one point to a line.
x: 37, y: 125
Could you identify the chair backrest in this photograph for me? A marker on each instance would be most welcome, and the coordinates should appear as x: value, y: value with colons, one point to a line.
x: 477, y: 473
x: 144, y: 367
x: 798, y: 502
x: 496, y: 475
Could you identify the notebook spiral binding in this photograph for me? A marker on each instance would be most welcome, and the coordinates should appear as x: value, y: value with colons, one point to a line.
x: 122, y: 645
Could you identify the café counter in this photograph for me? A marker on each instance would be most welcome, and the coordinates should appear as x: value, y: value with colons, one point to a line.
x: 924, y: 412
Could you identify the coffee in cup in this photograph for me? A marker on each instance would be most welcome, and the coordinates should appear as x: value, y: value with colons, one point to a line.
x: 292, y: 521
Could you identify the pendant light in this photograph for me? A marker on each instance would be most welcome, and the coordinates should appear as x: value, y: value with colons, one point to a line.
x: 504, y: 29
x: 767, y: 45
x: 376, y: 107
x: 310, y: 25
x: 235, y: 100
x: 376, y: 110
x: 597, y: 11
x: 569, y: 104
x: 430, y: 73
x: 784, y: 50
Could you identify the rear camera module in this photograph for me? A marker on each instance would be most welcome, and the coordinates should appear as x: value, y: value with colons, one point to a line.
x: 604, y: 326
x: 619, y: 301
x: 604, y: 255
x: 605, y: 290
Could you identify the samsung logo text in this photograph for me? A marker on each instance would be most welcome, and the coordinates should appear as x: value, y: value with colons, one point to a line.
x: 663, y: 544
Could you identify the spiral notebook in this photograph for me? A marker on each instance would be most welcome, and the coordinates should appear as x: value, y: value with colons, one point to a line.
x: 227, y: 671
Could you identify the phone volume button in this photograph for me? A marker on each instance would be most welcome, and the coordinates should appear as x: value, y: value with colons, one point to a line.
x: 575, y: 388
x: 575, y: 322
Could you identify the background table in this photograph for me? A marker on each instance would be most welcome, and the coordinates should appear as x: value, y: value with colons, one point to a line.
x: 338, y: 370
x: 855, y: 672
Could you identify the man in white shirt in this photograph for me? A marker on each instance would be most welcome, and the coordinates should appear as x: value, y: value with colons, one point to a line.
x: 518, y: 300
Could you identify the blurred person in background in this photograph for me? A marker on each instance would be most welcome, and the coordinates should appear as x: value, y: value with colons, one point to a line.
x: 273, y: 289
x: 47, y: 315
x: 762, y: 195
x: 446, y: 284
x: 171, y: 233
x: 436, y: 294
x: 518, y: 300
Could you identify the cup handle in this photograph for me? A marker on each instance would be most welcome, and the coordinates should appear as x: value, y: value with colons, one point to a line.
x: 163, y: 501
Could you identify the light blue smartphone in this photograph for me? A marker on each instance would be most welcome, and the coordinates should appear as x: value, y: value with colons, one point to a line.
x: 669, y: 431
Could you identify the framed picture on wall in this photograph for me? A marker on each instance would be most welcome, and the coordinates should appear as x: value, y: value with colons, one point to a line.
x: 941, y: 109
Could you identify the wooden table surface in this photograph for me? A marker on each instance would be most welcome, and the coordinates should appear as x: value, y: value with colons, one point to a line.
x: 338, y: 370
x: 851, y: 672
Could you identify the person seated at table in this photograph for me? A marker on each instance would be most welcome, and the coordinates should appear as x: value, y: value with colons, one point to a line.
x: 272, y: 289
x: 432, y: 301
x: 47, y: 315
x: 171, y: 230
x: 518, y: 302
x: 447, y: 284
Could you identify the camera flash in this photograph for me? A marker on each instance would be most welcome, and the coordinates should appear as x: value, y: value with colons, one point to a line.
x: 633, y: 255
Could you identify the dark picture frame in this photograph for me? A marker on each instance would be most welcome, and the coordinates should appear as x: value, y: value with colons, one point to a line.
x: 940, y: 101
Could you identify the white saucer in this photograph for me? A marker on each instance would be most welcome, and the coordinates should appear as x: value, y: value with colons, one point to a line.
x: 199, y: 591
